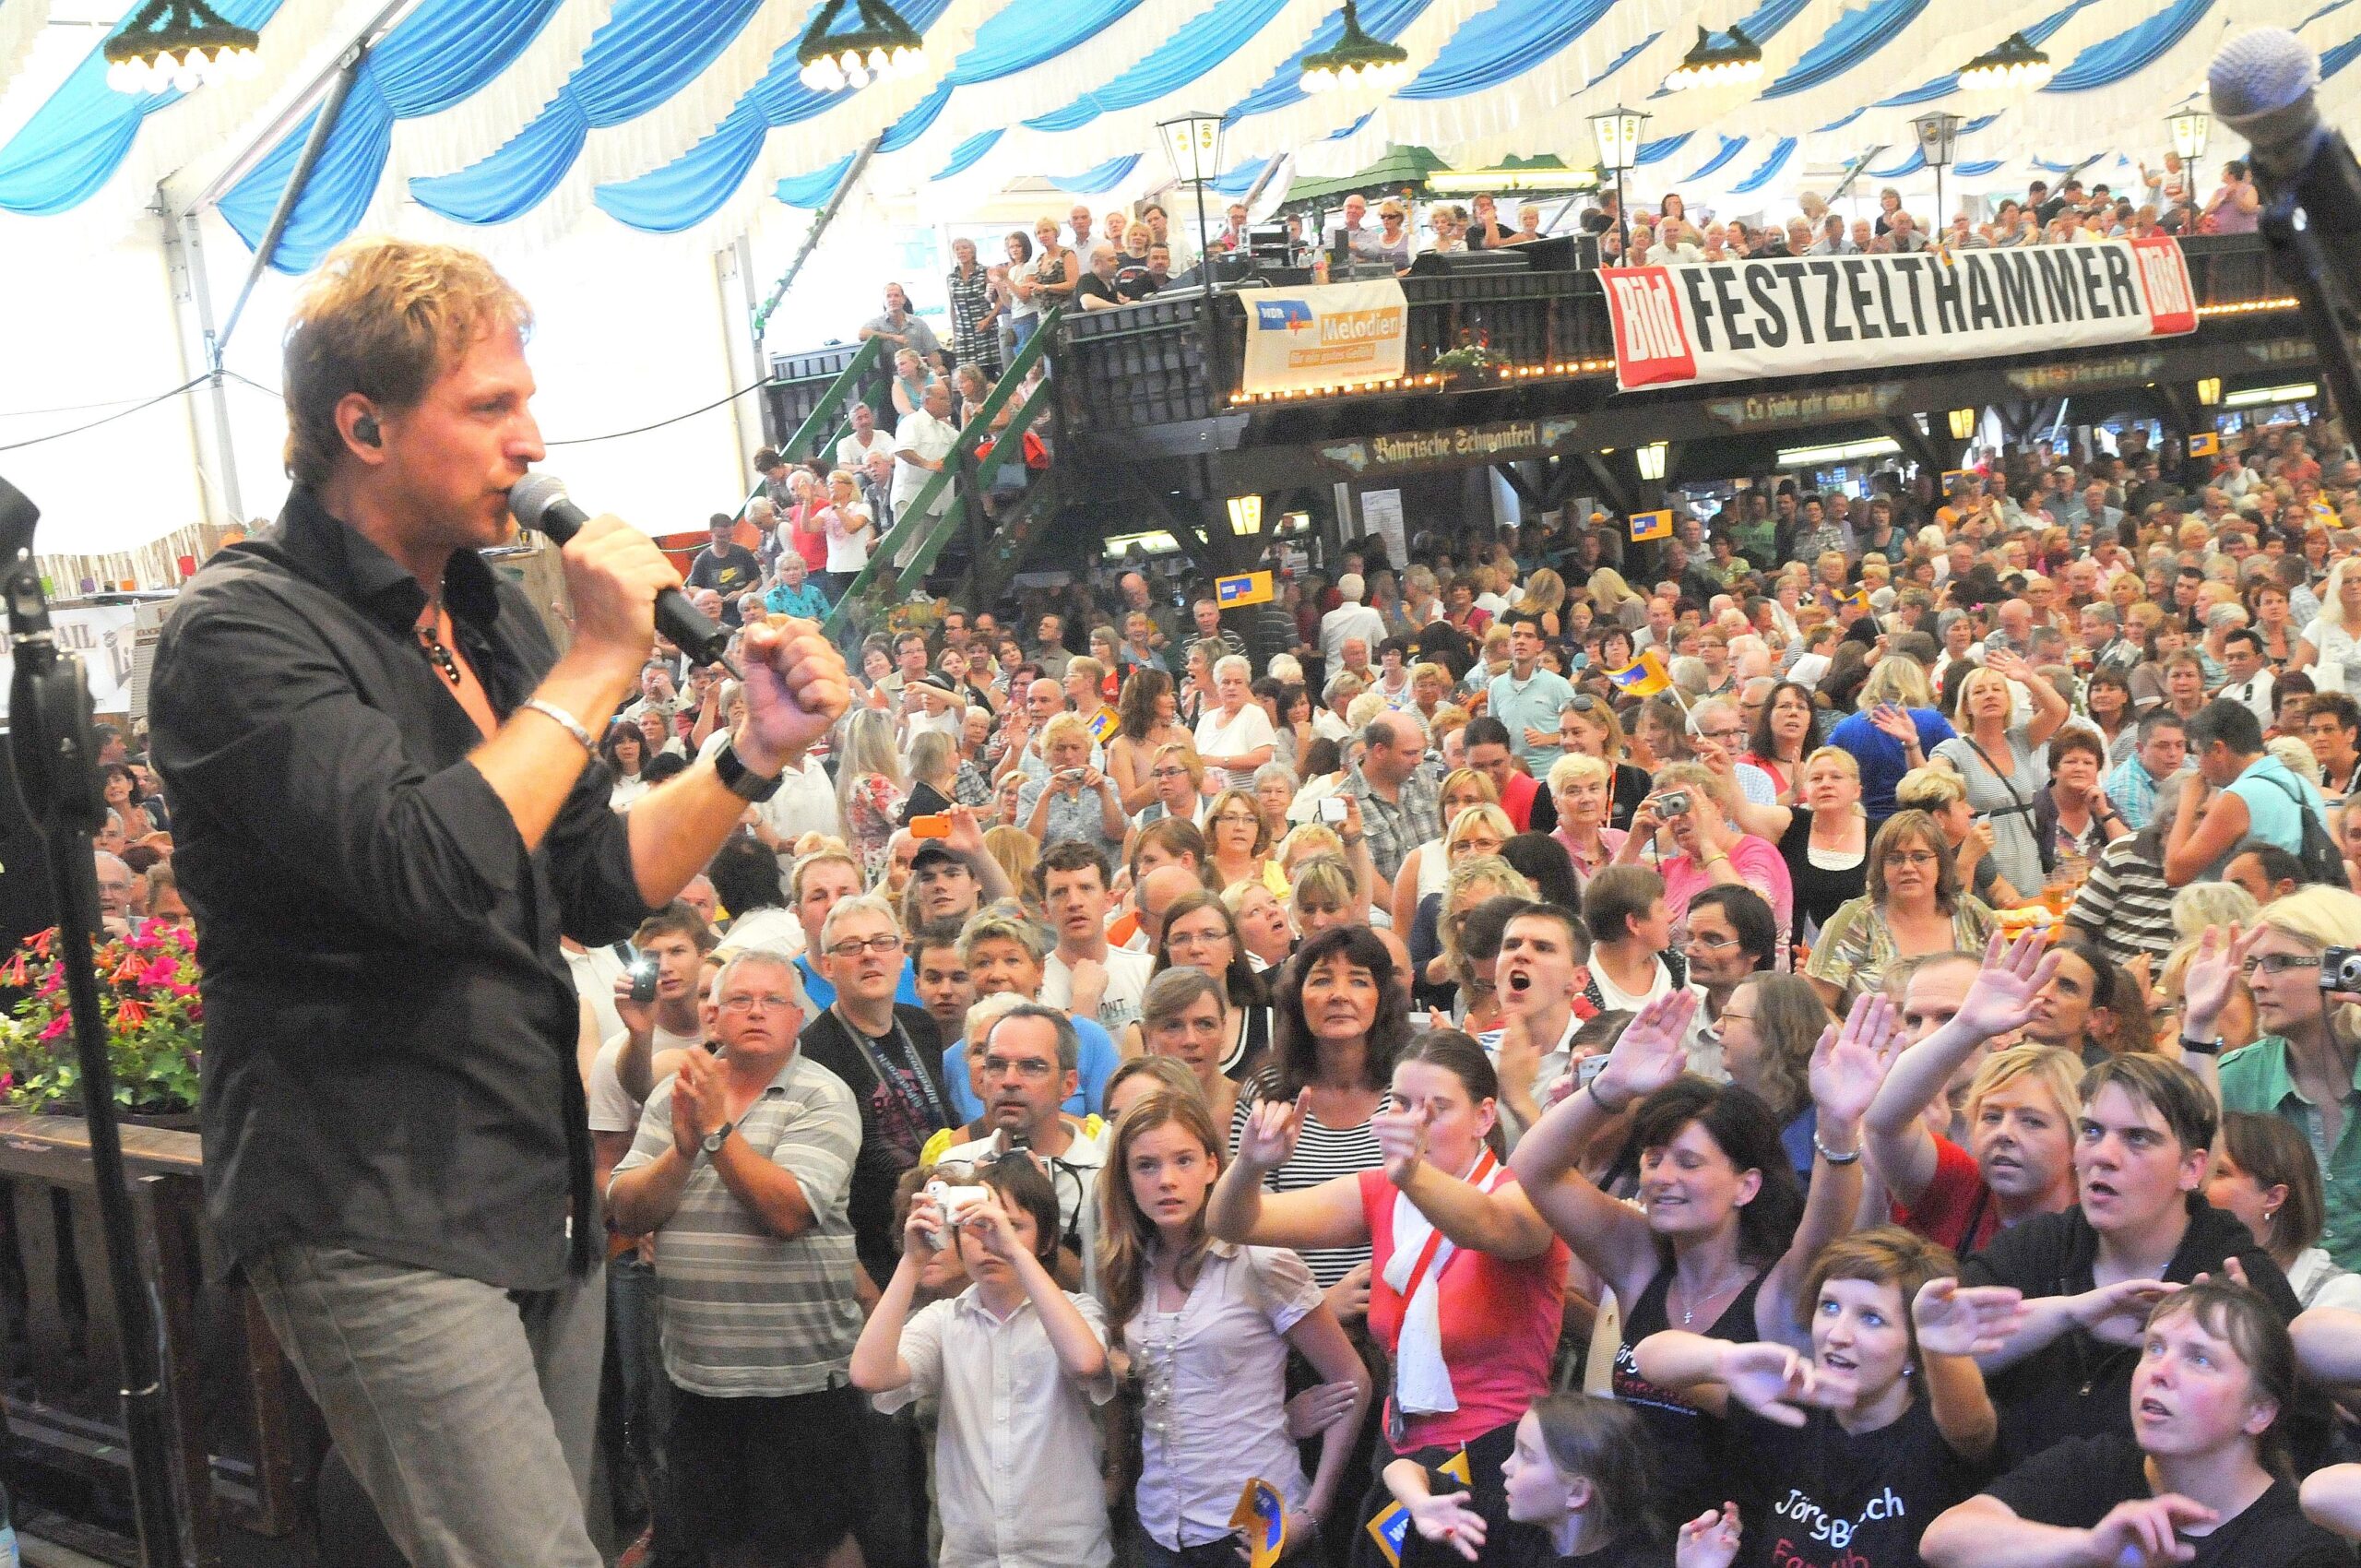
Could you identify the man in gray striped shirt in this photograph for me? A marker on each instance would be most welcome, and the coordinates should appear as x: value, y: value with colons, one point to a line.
x: 741, y: 1170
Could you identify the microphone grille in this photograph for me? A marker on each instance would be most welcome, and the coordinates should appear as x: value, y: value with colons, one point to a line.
x: 2260, y: 71
x: 532, y: 495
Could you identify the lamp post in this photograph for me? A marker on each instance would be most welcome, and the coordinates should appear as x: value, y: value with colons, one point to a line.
x: 1617, y: 132
x: 2190, y: 130
x: 1193, y: 140
x: 1937, y: 140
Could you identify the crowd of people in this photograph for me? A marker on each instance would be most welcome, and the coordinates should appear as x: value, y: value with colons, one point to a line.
x: 1830, y: 1038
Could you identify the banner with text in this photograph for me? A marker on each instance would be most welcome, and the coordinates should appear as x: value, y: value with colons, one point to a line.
x: 1324, y: 335
x: 1800, y: 315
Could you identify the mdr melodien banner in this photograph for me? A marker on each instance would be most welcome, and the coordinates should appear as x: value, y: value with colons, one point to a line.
x: 1798, y: 316
x: 1320, y: 335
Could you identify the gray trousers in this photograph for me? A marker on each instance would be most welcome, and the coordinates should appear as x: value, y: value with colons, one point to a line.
x: 466, y: 1412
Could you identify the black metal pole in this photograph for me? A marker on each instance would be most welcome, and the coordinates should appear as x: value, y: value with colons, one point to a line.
x: 1214, y: 356
x: 2321, y: 292
x: 57, y: 764
x: 1623, y: 222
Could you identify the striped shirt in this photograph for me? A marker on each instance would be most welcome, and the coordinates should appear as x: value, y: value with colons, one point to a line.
x: 1320, y: 1153
x: 2126, y: 905
x: 745, y: 1312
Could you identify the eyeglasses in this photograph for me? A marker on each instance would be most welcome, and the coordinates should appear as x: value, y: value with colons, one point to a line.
x: 1238, y: 819
x: 1168, y: 772
x: 877, y: 944
x: 1712, y: 944
x: 1031, y: 1067
x: 1918, y: 857
x: 1731, y: 732
x: 2277, y: 964
x: 769, y: 1000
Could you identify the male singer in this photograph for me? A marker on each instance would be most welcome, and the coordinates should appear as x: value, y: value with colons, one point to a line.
x: 386, y: 814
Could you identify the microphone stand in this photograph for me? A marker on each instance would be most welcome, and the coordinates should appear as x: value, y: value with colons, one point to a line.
x: 51, y: 740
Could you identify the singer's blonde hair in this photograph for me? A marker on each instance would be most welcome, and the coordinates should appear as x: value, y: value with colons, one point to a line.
x: 383, y: 317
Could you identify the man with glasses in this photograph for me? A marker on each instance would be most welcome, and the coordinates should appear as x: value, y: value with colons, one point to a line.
x: 1732, y: 933
x: 1031, y: 1059
x: 1718, y: 735
x: 741, y: 1172
x: 2332, y: 728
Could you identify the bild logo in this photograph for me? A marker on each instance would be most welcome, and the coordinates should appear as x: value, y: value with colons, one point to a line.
x: 1650, y: 343
x: 1283, y: 315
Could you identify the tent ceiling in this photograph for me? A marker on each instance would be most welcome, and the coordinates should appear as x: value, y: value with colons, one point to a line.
x: 686, y: 115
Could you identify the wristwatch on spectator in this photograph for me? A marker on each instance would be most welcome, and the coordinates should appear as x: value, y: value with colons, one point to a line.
x: 718, y: 1137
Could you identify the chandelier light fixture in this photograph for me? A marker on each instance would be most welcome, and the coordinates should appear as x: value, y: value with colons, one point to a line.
x: 180, y: 43
x: 882, y: 46
x: 2013, y: 63
x: 1358, y: 60
x: 1734, y: 59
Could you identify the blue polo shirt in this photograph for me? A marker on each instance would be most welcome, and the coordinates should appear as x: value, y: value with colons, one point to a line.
x: 1531, y: 704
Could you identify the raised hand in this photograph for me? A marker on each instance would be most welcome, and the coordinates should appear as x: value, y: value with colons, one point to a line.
x: 1651, y: 1052
x: 1348, y: 1298
x: 1893, y: 722
x: 1518, y: 1059
x: 1709, y: 1540
x: 2144, y: 1532
x: 965, y: 837
x: 2207, y: 985
x: 1448, y: 1521
x: 1401, y: 1137
x: 1271, y: 1133
x: 2118, y: 1312
x: 2002, y: 997
x: 987, y: 1222
x: 796, y: 688
x: 1977, y: 1320
x: 1776, y: 1382
x: 1849, y: 1062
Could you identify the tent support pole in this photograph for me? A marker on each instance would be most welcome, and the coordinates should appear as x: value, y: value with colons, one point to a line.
x: 331, y: 109
x: 827, y: 214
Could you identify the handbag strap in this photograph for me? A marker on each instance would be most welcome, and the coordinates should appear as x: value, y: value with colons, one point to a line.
x: 2022, y: 807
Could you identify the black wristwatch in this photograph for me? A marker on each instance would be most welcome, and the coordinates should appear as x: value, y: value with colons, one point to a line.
x: 2201, y: 1047
x: 741, y: 781
x: 718, y: 1137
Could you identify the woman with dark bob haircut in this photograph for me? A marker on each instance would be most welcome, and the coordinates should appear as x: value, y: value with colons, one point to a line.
x: 1726, y: 1241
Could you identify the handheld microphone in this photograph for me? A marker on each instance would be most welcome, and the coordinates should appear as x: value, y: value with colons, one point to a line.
x: 538, y: 501
x: 2262, y: 86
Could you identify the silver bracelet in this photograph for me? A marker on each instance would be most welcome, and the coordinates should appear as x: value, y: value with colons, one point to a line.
x: 1829, y: 1155
x: 572, y: 725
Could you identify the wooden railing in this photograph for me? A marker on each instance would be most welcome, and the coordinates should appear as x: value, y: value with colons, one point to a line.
x: 239, y: 1421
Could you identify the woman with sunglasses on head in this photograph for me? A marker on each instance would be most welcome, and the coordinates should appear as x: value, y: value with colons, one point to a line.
x: 2202, y: 1478
x: 1206, y: 1329
x: 1827, y: 842
x: 1588, y: 725
x: 1467, y: 1283
x: 1725, y: 1240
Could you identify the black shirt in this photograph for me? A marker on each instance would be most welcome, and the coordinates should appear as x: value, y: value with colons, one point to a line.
x: 729, y: 571
x: 1693, y: 1472
x: 1817, y: 1496
x: 390, y: 1026
x: 1093, y: 287
x: 2080, y: 1386
x: 896, y: 1118
x: 2075, y: 1483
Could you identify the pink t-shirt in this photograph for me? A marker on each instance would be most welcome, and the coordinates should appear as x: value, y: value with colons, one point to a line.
x: 1758, y: 863
x: 1500, y: 1325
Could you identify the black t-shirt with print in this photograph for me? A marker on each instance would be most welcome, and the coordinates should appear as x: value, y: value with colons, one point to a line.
x: 1093, y: 287
x: 1817, y: 1496
x: 899, y: 1113
x: 2073, y: 1484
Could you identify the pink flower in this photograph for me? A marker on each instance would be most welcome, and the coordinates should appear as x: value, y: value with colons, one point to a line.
x: 52, y: 982
x: 164, y: 971
x: 58, y: 1027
